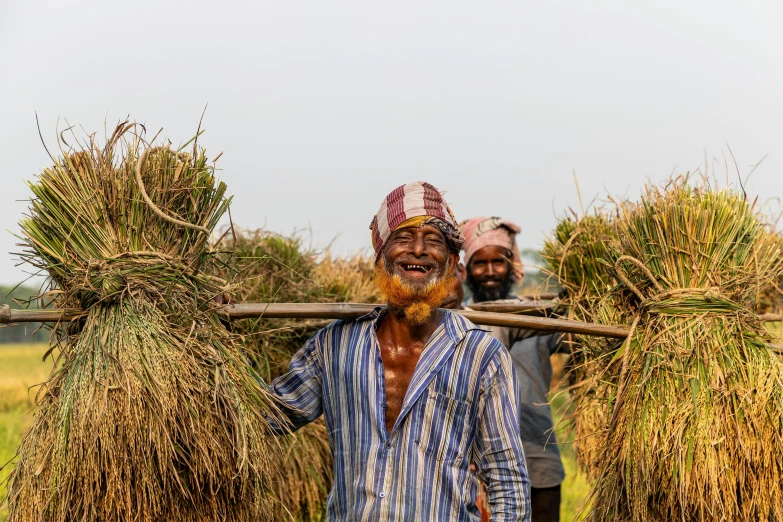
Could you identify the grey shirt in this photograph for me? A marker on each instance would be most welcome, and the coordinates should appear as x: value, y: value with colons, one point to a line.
x: 530, y: 352
x: 534, y: 370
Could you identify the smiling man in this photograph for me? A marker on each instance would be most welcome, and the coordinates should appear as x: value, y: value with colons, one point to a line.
x: 494, y: 268
x: 411, y: 393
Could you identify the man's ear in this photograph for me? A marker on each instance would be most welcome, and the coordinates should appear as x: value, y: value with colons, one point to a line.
x: 453, y: 259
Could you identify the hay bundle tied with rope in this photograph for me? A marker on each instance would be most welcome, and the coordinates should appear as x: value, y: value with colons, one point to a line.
x: 696, y: 425
x: 151, y: 412
x: 275, y: 268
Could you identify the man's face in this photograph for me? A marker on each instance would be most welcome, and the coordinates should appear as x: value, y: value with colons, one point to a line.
x: 489, y: 274
x: 416, y: 272
x: 418, y: 255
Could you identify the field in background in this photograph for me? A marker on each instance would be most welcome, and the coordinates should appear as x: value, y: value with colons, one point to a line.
x: 21, y: 367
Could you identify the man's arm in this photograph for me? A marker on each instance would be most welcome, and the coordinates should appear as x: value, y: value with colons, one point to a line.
x: 501, y: 460
x: 300, y: 389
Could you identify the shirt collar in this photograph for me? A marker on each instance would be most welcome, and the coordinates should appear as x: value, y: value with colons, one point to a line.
x: 456, y: 326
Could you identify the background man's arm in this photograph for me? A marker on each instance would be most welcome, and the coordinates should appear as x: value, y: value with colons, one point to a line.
x: 501, y: 459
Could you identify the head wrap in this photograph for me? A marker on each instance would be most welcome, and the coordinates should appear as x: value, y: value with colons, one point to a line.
x: 414, y: 205
x: 480, y: 232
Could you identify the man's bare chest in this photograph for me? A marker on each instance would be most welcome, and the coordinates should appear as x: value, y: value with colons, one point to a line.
x: 399, y: 366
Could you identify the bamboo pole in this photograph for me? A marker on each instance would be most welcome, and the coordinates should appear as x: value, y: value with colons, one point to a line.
x: 341, y: 311
x: 345, y: 311
x: 354, y: 310
x: 525, y: 307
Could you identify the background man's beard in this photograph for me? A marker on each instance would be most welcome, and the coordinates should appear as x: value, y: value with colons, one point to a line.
x: 418, y: 304
x: 481, y: 294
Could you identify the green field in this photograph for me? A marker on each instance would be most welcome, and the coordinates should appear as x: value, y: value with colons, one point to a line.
x: 20, y: 368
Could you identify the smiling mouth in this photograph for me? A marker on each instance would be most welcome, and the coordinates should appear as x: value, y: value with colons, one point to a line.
x: 414, y: 267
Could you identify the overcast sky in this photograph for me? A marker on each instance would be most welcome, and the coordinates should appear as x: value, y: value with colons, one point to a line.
x: 321, y: 108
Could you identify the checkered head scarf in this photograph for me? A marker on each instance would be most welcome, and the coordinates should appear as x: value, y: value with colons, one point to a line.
x: 414, y: 205
x: 480, y: 232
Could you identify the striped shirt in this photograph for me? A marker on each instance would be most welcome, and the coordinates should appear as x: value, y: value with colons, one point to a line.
x: 462, y: 406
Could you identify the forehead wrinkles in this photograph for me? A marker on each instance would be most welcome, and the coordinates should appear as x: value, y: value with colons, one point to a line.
x: 424, y: 229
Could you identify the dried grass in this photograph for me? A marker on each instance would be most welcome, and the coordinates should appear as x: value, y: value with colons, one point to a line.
x: 695, y: 409
x: 577, y: 254
x: 275, y: 268
x: 152, y: 413
x: 697, y: 424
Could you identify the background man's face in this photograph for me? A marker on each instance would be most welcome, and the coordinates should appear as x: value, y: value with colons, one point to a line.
x: 418, y: 255
x: 489, y: 274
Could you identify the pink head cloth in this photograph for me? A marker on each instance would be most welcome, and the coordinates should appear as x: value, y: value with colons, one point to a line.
x: 409, y: 201
x: 481, y: 232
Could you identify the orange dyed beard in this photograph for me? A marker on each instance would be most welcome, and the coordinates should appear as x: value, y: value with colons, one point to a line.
x: 418, y: 304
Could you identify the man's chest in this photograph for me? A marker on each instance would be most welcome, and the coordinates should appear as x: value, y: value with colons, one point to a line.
x: 399, y: 365
x: 365, y: 380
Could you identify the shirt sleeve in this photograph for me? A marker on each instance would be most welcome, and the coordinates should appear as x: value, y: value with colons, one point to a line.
x: 300, y: 390
x: 501, y: 459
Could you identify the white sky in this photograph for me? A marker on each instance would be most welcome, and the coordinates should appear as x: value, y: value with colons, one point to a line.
x: 321, y: 108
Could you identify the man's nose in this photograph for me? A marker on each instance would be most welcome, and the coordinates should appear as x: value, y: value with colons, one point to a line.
x: 490, y: 270
x: 418, y: 245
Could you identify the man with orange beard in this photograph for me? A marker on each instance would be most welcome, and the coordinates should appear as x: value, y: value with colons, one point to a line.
x: 412, y: 394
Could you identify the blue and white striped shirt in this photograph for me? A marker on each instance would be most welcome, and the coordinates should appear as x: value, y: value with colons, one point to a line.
x: 462, y: 406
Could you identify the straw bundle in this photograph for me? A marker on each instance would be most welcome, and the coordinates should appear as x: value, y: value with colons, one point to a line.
x: 770, y: 298
x: 696, y: 431
x: 278, y: 268
x: 577, y: 255
x: 153, y: 413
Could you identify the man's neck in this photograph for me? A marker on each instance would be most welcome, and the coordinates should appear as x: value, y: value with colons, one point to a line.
x: 400, y: 331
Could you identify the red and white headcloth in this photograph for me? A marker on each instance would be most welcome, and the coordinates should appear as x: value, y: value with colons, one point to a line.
x: 411, y: 205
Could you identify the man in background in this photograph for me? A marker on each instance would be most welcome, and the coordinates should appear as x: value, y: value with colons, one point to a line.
x: 494, y: 269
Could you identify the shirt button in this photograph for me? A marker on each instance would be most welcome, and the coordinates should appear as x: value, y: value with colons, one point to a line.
x: 382, y: 494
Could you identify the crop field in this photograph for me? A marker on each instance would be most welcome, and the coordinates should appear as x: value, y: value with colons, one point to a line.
x: 20, y: 368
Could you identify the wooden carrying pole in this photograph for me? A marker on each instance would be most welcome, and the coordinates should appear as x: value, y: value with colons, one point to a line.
x: 354, y: 310
x: 541, y: 308
x: 344, y: 311
x: 340, y: 311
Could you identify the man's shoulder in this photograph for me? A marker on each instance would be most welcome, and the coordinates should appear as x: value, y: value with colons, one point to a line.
x: 343, y: 327
x: 471, y: 336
